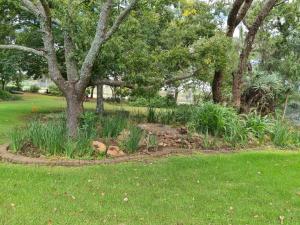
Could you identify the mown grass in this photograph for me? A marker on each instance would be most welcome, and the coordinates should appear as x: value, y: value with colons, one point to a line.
x: 246, y: 188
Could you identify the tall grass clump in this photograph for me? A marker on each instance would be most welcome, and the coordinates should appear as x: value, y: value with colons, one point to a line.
x: 113, y: 126
x: 18, y: 138
x: 220, y: 121
x: 131, y: 144
x: 258, y: 125
x: 50, y: 137
x: 281, y: 134
x: 151, y: 115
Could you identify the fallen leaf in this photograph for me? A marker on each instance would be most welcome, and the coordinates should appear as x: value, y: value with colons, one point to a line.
x: 281, y: 218
x: 126, y: 199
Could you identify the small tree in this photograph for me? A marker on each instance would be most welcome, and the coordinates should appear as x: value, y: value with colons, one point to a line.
x: 78, y: 71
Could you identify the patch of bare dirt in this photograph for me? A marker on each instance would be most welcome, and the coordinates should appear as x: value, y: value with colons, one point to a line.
x: 172, y: 137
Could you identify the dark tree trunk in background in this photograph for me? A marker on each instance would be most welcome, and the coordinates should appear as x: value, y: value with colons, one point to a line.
x: 217, y: 86
x: 3, y: 85
x: 100, y: 99
x: 176, y: 95
x: 92, y: 92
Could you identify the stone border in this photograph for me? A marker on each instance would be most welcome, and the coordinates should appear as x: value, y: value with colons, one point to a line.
x: 9, y: 157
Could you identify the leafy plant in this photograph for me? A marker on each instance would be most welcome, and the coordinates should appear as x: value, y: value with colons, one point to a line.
x: 131, y: 144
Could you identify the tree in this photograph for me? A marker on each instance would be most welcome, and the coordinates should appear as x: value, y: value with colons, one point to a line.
x: 236, y: 15
x: 246, y: 50
x: 78, y: 70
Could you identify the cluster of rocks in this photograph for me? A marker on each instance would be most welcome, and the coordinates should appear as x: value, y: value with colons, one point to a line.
x: 112, y: 150
x: 168, y: 136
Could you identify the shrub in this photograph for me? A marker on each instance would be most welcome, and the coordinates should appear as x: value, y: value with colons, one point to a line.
x: 6, y: 96
x: 258, y: 125
x: 34, y: 89
x: 131, y: 144
x: 219, y: 121
x: 54, y: 90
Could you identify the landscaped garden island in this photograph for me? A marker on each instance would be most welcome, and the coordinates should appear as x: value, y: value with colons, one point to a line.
x: 149, y: 112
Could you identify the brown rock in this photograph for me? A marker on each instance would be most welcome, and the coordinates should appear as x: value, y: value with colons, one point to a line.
x: 99, y: 146
x: 114, y: 151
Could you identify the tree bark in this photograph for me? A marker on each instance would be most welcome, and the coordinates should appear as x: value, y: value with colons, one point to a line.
x: 237, y: 14
x: 217, y: 86
x: 100, y: 99
x: 92, y: 92
x: 3, y: 85
x: 74, y: 111
x: 285, y: 106
x: 247, y: 48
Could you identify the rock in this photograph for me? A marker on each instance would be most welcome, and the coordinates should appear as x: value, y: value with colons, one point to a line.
x: 114, y: 151
x: 99, y: 146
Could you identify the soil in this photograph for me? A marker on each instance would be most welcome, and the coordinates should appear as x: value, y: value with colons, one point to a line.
x: 176, y: 137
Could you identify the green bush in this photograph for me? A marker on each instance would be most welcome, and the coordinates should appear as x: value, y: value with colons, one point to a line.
x: 258, y: 125
x: 6, y: 96
x: 219, y: 121
x: 34, y: 89
x: 131, y: 144
x: 54, y: 90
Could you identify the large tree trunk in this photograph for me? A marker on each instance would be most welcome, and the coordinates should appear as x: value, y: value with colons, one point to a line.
x: 217, y: 86
x: 74, y: 111
x: 100, y: 99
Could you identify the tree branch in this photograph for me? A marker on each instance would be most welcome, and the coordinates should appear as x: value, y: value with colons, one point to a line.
x: 24, y: 49
x: 90, y: 58
x: 120, y: 19
x: 31, y: 7
x: 243, y: 11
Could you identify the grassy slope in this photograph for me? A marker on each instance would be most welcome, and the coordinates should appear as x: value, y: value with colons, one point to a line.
x: 246, y: 188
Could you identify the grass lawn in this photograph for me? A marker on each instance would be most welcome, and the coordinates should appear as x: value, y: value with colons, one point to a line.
x: 244, y: 188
